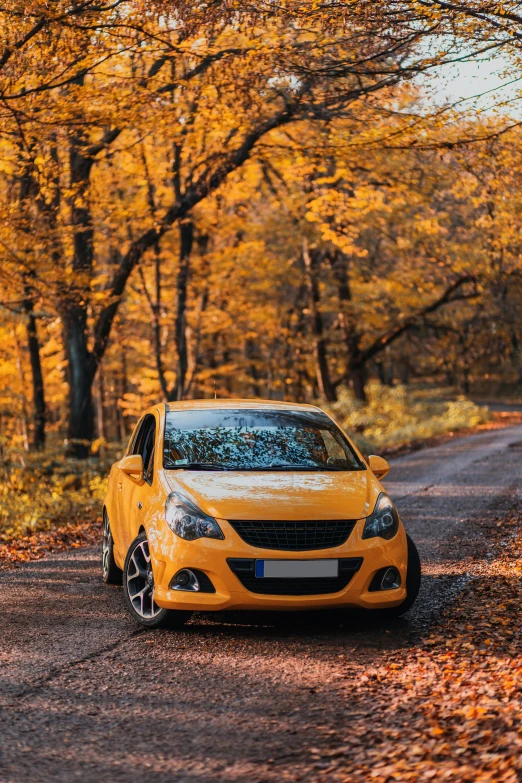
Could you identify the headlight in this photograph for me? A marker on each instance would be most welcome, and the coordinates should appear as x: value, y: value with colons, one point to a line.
x: 187, y: 521
x: 384, y: 521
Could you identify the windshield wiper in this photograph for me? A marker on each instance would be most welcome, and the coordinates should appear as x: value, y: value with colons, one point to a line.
x: 288, y: 466
x: 198, y: 466
x: 252, y: 468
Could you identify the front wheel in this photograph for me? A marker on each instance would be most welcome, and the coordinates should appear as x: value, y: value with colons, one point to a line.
x: 138, y: 589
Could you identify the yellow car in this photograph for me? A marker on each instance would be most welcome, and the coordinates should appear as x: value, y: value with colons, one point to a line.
x: 242, y: 504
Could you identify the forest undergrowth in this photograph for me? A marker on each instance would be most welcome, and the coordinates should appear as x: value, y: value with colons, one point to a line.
x: 397, y: 416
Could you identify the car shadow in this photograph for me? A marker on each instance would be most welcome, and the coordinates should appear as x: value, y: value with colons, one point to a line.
x: 366, y: 628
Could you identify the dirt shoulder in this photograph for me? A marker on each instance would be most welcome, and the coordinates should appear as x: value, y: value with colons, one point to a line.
x: 14, y: 552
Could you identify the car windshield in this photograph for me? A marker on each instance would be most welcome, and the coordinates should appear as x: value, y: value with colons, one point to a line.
x: 228, y: 439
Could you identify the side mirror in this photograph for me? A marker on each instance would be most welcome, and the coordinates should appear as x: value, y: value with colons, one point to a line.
x: 379, y: 466
x: 132, y: 466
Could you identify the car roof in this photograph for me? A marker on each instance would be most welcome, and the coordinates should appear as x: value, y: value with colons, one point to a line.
x: 230, y: 403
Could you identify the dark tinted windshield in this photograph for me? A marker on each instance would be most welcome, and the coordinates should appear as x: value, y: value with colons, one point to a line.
x: 256, y: 440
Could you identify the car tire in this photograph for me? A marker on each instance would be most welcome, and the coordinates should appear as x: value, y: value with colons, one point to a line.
x: 413, y: 583
x: 138, y: 590
x: 111, y: 574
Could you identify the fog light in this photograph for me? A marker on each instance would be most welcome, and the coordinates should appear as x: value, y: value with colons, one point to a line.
x: 185, y: 580
x: 391, y: 579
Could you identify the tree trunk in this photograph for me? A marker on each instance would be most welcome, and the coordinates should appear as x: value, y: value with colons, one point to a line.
x: 451, y: 377
x: 28, y: 189
x: 385, y: 372
x: 466, y: 385
x: 155, y: 309
x: 356, y: 367
x: 404, y: 373
x: 194, y: 357
x: 186, y: 237
x: 100, y: 408
x: 80, y: 376
x: 297, y: 362
x: 252, y: 359
x: 154, y: 304
x: 156, y: 317
x: 324, y: 381
x: 81, y: 366
x: 326, y: 388
x: 516, y: 355
x: 123, y: 391
x: 358, y: 377
x: 33, y: 344
x: 22, y: 420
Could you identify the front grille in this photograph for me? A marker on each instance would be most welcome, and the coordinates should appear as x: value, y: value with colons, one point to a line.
x: 294, y: 536
x: 244, y: 569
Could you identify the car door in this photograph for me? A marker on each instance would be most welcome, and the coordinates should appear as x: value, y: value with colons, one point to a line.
x: 134, y: 496
x: 119, y: 487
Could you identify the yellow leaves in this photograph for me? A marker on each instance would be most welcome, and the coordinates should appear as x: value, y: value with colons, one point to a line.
x: 429, y: 226
x: 404, y: 243
x: 70, y: 481
x: 340, y: 214
x: 47, y: 491
x: 394, y: 416
x: 97, y: 444
x: 100, y: 296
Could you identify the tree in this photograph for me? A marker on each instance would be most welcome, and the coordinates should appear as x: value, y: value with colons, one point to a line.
x: 197, y: 80
x: 260, y: 180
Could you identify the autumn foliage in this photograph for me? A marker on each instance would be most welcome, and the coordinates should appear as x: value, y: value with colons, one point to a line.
x: 254, y: 200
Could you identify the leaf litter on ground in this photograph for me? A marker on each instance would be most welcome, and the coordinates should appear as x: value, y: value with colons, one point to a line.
x: 449, y: 707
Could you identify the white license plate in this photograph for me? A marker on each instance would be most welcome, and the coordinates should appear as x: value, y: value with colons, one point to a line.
x: 296, y: 569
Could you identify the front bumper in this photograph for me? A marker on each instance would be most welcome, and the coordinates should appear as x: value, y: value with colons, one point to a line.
x: 170, y: 553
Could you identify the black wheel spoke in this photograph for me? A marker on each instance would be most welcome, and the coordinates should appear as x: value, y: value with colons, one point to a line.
x: 140, y: 572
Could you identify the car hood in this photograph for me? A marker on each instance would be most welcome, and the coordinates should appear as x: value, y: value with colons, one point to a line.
x: 279, y: 495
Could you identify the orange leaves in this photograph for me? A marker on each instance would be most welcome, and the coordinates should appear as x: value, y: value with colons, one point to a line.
x: 38, y: 545
x: 436, y: 731
x: 451, y: 708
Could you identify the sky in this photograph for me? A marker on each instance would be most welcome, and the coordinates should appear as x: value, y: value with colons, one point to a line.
x: 479, y: 77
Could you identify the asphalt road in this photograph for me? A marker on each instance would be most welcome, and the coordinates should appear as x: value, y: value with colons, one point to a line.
x: 85, y: 695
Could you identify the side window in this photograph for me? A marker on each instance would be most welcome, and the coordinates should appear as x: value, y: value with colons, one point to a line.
x: 141, y: 435
x: 131, y: 449
x: 144, y: 445
x: 149, y: 470
x: 148, y: 453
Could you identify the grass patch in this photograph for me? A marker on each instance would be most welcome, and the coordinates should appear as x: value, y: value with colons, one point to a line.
x: 46, y: 491
x: 396, y: 416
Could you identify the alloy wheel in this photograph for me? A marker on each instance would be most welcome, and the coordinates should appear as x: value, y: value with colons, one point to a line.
x: 140, y: 582
x: 106, y: 544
